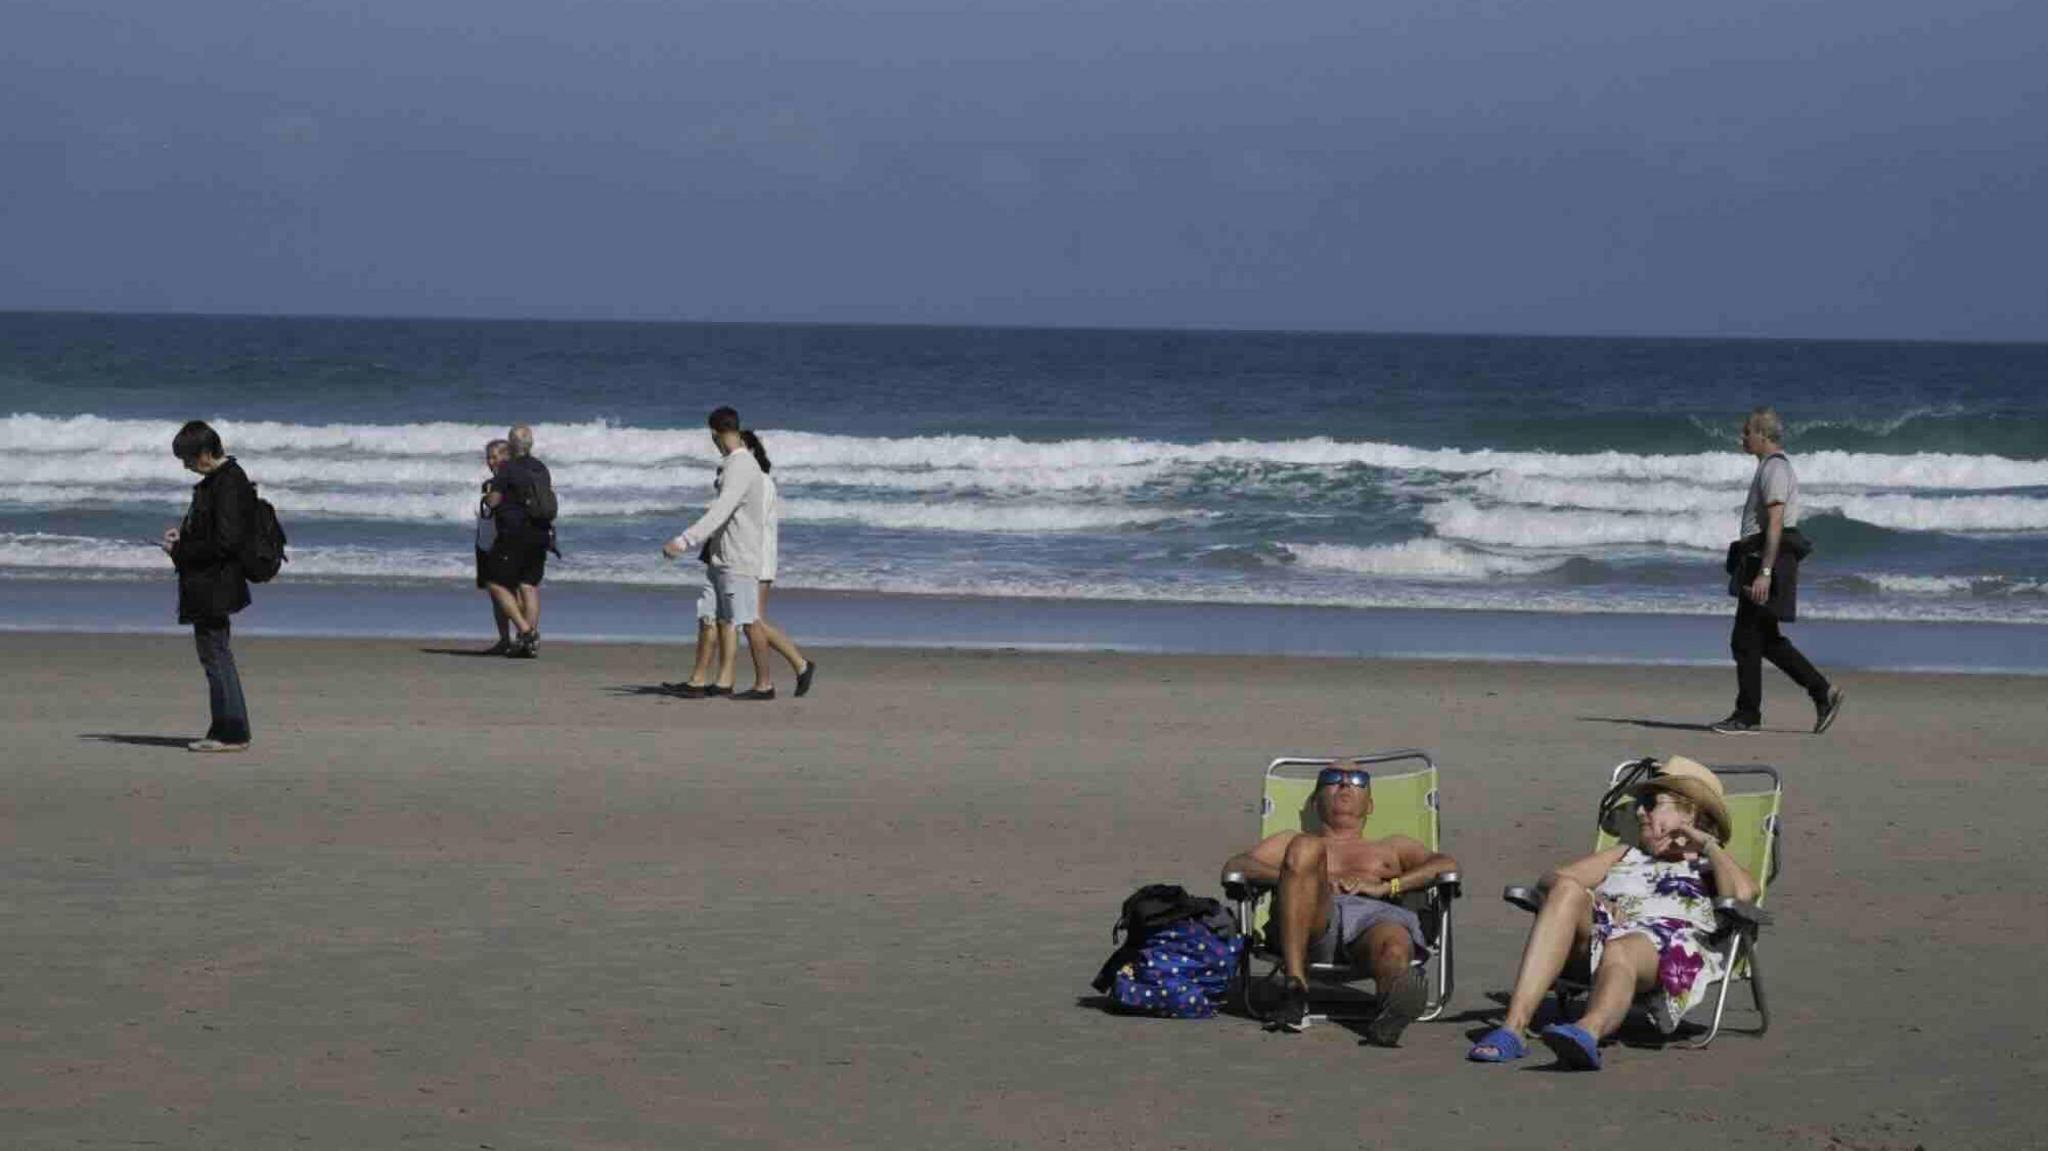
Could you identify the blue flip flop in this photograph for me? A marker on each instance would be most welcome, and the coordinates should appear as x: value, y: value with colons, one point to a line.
x: 1506, y: 1046
x: 1575, y: 1046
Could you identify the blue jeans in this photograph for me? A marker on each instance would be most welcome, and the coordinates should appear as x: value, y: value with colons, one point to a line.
x: 223, y: 682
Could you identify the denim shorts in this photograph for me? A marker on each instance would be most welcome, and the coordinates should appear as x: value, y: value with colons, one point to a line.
x: 730, y: 598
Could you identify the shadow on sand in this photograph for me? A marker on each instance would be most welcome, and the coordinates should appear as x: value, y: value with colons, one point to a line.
x: 1653, y: 724
x: 177, y: 741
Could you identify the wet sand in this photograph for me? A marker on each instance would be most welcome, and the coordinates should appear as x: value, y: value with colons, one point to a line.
x: 475, y: 903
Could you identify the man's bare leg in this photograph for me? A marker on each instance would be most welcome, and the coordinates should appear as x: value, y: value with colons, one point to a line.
x: 1628, y: 965
x: 1387, y: 949
x: 529, y: 606
x: 728, y: 654
x: 707, y: 650
x: 1303, y: 908
x: 499, y: 619
x: 507, y: 602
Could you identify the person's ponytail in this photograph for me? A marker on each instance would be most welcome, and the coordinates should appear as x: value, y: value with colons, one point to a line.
x: 760, y: 450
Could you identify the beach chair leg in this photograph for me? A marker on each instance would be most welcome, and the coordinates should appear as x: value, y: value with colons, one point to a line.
x: 1756, y: 992
x: 1246, y: 909
x: 1440, y: 996
x: 1721, y: 1001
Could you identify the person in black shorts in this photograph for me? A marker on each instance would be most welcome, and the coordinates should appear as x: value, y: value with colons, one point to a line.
x: 522, y: 498
x: 496, y: 452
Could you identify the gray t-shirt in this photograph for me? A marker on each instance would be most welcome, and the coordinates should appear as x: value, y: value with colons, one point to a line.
x: 1774, y: 483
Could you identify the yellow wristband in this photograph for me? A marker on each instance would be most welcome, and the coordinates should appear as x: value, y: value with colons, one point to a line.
x: 1394, y: 886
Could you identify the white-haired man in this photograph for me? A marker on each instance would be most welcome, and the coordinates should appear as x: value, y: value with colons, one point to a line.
x: 1763, y: 576
x: 1332, y: 894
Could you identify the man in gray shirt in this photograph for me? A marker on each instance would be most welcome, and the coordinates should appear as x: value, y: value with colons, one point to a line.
x: 1763, y: 570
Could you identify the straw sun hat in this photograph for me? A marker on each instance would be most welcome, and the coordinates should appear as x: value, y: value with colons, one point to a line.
x: 1692, y: 781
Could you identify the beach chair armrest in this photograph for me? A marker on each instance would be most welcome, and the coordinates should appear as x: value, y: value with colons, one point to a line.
x: 1239, y: 889
x: 1529, y: 899
x: 1734, y: 913
x: 1449, y: 885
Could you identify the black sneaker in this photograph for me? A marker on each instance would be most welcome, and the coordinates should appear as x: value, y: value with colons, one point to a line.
x: 803, y: 678
x: 1736, y: 725
x: 1825, y: 710
x: 527, y: 646
x: 502, y: 647
x: 1292, y: 1015
x: 1398, y: 1008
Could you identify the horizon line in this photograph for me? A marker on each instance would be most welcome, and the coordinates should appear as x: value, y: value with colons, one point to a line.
x: 1195, y: 329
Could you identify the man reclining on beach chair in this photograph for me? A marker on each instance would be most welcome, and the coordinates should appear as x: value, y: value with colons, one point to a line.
x: 1331, y: 885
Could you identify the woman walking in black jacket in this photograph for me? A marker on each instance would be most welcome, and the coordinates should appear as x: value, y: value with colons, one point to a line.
x: 206, y: 549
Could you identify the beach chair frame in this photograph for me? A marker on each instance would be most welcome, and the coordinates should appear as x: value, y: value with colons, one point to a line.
x: 1756, y: 844
x: 1432, y: 903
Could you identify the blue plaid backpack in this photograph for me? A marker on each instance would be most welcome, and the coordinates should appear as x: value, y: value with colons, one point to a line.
x: 1178, y: 956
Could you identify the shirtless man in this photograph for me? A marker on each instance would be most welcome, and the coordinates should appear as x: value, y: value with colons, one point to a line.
x: 1332, y: 885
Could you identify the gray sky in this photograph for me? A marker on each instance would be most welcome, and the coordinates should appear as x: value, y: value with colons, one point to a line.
x: 1747, y: 167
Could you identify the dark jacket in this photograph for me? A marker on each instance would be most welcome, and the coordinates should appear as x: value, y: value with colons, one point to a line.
x: 210, y: 542
x: 1746, y: 558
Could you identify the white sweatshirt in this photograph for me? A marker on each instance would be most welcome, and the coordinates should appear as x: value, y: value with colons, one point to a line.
x: 733, y: 528
x: 771, y: 535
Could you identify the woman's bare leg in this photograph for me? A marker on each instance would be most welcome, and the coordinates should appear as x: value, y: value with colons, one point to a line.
x: 757, y: 648
x: 1563, y: 926
x: 502, y: 621
x: 1627, y: 965
x: 508, y: 604
x: 778, y: 640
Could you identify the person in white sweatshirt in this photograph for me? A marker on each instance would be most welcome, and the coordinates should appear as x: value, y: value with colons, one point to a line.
x: 729, y: 537
x: 805, y: 668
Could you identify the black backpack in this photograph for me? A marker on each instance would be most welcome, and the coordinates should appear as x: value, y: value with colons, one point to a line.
x: 263, y: 554
x: 1150, y: 908
x: 540, y: 501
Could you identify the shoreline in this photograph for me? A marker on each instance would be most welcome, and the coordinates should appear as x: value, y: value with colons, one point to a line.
x: 609, y: 614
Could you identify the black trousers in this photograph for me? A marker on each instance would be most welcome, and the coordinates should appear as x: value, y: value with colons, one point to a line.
x: 1756, y: 638
x: 223, y: 682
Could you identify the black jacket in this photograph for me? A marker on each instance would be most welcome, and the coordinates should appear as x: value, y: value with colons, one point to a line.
x: 1746, y: 558
x: 210, y: 542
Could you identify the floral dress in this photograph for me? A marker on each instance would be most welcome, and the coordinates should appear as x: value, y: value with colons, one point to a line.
x: 1672, y: 903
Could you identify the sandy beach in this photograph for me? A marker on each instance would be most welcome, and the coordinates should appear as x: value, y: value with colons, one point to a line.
x: 468, y: 903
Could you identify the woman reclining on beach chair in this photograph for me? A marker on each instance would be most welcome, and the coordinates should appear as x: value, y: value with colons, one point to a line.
x: 1639, y: 917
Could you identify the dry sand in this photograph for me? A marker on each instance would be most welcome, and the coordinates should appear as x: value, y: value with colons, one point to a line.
x: 473, y: 903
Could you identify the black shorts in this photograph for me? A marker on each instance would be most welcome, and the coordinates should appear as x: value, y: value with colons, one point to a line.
x: 516, y: 558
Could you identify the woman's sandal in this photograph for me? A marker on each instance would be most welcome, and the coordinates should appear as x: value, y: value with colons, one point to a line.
x: 1575, y: 1046
x: 1497, y: 1046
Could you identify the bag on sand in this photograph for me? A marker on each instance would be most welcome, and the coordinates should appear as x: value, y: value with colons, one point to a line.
x: 1177, y: 957
x: 263, y: 553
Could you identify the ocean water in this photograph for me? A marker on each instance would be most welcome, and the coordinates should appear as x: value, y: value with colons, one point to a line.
x: 1570, y: 477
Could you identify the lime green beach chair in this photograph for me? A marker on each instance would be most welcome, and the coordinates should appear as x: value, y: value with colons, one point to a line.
x: 1405, y: 802
x: 1755, y: 798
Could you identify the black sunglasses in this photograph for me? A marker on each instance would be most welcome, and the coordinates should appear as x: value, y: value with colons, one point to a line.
x: 1355, y: 776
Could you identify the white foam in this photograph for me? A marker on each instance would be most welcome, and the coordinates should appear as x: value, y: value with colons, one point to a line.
x: 1425, y: 558
x: 1549, y: 530
x: 1896, y: 511
x: 47, y: 555
x: 600, y: 442
x: 1951, y: 585
x: 972, y: 517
